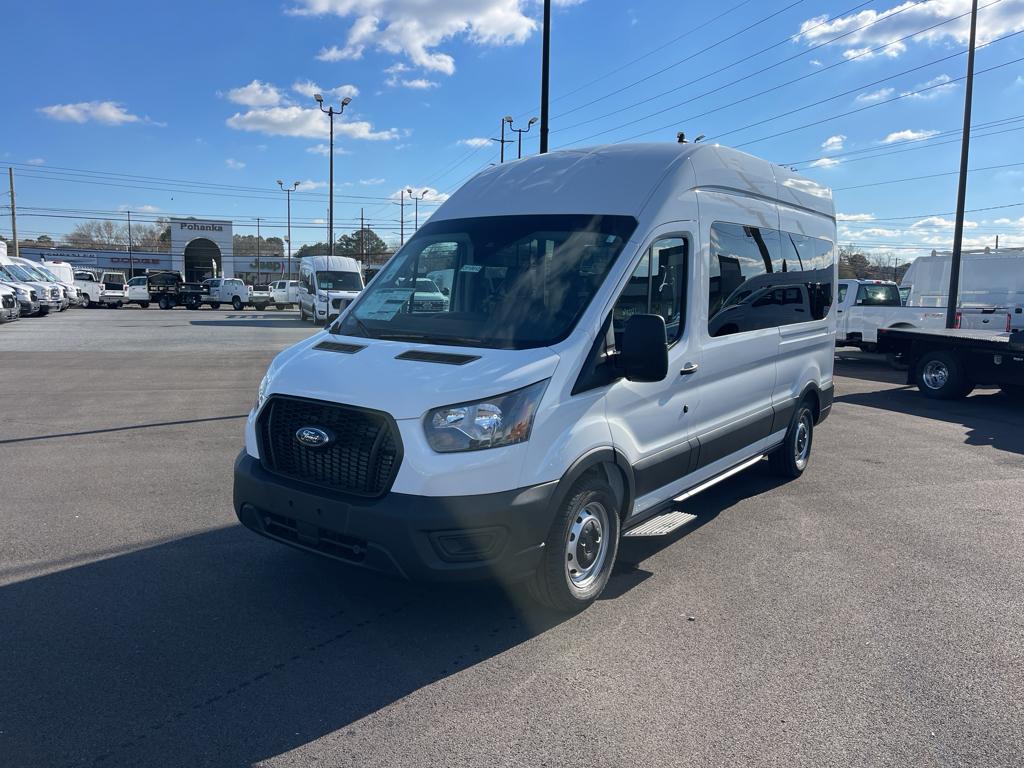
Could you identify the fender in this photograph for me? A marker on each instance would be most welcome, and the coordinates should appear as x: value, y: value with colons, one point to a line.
x: 589, y: 460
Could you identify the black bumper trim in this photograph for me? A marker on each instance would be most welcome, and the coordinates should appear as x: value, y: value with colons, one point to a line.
x: 825, y: 397
x: 400, y: 534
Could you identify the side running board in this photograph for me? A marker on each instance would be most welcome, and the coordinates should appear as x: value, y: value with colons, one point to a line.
x: 674, y: 519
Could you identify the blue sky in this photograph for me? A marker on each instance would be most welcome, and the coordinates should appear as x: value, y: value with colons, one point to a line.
x: 218, y: 95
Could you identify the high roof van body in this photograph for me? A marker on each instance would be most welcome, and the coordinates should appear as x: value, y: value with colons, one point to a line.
x: 625, y: 326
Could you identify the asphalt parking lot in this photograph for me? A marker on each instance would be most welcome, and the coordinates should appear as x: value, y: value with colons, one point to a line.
x: 868, y: 614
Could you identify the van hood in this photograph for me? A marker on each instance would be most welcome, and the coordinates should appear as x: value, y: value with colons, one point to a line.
x: 373, y: 378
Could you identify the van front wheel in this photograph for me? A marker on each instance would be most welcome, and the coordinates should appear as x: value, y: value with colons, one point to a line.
x: 791, y: 458
x: 580, y: 549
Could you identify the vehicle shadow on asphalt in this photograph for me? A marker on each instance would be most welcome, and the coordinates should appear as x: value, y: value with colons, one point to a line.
x: 707, y: 506
x: 991, y: 418
x: 868, y: 368
x: 253, y: 322
x: 226, y: 649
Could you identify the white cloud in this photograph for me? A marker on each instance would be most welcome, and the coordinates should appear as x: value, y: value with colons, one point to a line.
x: 371, y: 182
x: 138, y: 208
x: 476, y: 142
x: 235, y: 165
x: 855, y: 217
x: 906, y: 18
x: 308, y: 123
x: 35, y: 161
x: 430, y: 194
x: 880, y: 232
x: 324, y: 150
x: 833, y: 143
x: 908, y: 135
x: 255, y: 94
x: 416, y: 29
x: 936, y: 87
x: 939, y: 222
x: 873, y: 97
x: 309, y: 185
x: 419, y: 83
x: 104, y: 112
x: 816, y: 63
x: 307, y: 88
x: 1010, y: 222
x: 825, y: 162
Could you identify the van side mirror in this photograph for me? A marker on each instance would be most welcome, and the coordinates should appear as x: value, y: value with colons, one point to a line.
x: 644, y: 353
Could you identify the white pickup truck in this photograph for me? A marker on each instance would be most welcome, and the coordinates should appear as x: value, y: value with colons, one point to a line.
x: 864, y: 306
x: 108, y: 291
x: 285, y: 293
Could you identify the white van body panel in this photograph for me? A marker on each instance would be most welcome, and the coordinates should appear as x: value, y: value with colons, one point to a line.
x: 994, y: 279
x: 706, y: 218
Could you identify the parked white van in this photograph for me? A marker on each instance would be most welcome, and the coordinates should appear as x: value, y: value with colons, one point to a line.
x: 627, y: 326
x: 327, y: 285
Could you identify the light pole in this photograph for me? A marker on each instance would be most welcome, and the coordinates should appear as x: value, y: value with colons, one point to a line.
x: 288, y: 191
x: 521, y: 131
x: 416, y: 203
x: 331, y: 113
x: 545, y: 77
x: 131, y: 256
x: 401, y: 226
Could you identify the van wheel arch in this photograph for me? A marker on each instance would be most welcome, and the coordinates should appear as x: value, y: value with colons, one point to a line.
x: 614, y: 469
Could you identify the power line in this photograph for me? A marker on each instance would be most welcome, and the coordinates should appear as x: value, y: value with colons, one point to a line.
x: 927, y: 176
x: 684, y: 60
x: 740, y: 61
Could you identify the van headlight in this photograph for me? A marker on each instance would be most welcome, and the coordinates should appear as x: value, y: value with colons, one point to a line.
x: 490, y: 423
x: 261, y: 393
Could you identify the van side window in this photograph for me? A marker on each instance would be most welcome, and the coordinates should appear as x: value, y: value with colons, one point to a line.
x: 763, y: 278
x: 739, y: 275
x: 657, y: 286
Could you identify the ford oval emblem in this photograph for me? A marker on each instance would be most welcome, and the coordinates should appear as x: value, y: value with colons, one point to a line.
x: 312, y: 437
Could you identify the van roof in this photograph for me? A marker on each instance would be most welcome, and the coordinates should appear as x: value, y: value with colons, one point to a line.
x: 340, y: 263
x: 625, y: 179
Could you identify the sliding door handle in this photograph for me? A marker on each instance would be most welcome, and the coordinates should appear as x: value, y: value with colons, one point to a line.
x: 688, y: 368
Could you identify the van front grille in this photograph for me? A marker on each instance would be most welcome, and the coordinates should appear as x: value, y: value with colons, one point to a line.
x: 361, y: 456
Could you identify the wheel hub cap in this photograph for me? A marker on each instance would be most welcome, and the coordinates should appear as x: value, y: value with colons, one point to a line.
x: 935, y: 374
x: 585, y: 548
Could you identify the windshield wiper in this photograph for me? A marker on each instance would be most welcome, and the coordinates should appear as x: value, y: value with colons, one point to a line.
x: 336, y: 327
x: 455, y: 341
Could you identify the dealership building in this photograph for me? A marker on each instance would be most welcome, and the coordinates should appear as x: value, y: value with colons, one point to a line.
x: 200, y: 248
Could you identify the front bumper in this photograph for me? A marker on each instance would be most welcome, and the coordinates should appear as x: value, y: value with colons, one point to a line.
x: 29, y: 307
x: 420, y: 538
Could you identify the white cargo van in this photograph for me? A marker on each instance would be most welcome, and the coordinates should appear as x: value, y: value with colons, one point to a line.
x: 327, y: 285
x: 626, y: 326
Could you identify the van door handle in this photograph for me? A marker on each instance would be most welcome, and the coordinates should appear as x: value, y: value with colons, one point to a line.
x: 688, y: 368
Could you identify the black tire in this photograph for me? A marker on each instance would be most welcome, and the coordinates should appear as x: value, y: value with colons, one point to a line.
x: 792, y: 457
x: 279, y: 307
x: 85, y: 302
x: 237, y: 304
x: 214, y: 305
x: 941, y: 376
x: 261, y: 307
x: 574, y: 541
x: 144, y: 304
x: 302, y: 314
x: 164, y: 302
x: 44, y: 311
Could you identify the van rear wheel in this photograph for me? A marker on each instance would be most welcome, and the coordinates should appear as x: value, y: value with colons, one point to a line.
x: 791, y: 458
x: 580, y: 549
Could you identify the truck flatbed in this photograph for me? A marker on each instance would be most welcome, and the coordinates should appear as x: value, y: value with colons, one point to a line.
x: 948, y: 363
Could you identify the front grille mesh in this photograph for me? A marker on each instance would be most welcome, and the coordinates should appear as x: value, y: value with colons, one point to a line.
x: 362, y: 457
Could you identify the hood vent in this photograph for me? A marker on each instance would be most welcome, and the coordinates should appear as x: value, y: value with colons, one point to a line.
x: 445, y: 358
x: 338, y: 346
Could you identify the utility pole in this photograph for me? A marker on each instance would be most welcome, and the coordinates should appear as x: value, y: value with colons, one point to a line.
x: 503, y: 141
x: 401, y: 227
x: 362, y: 237
x: 14, y: 213
x: 257, y: 250
x: 131, y: 256
x: 545, y: 72
x: 961, y: 194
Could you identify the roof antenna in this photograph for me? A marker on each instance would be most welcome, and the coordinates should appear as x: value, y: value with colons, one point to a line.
x: 681, y: 137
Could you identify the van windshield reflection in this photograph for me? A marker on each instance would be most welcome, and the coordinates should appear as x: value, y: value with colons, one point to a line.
x: 510, y: 282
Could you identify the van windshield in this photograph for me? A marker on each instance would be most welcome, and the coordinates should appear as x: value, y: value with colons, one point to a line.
x: 333, y: 280
x: 516, y: 281
x: 18, y: 272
